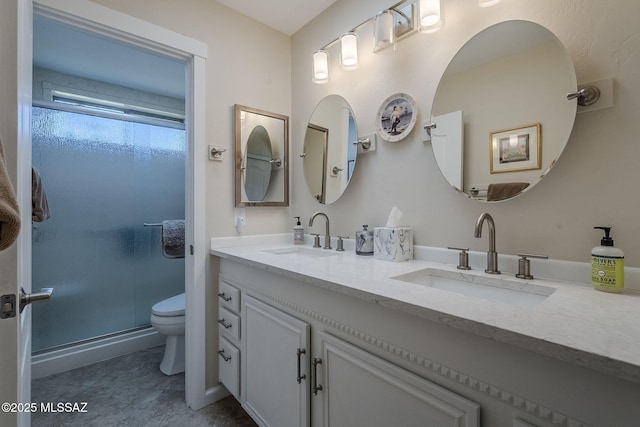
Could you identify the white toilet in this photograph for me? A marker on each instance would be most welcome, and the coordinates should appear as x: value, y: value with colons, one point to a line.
x: 168, y: 318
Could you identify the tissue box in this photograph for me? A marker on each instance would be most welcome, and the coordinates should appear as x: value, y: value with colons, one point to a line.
x: 393, y: 243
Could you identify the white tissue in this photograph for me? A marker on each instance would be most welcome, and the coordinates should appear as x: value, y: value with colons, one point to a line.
x: 394, y: 217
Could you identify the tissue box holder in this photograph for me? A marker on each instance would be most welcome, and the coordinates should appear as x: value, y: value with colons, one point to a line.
x: 393, y: 243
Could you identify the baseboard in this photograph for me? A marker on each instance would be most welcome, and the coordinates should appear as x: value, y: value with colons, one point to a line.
x: 65, y: 359
x: 215, y: 393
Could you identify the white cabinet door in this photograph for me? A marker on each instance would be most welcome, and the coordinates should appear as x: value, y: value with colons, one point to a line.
x: 360, y: 389
x: 275, y: 377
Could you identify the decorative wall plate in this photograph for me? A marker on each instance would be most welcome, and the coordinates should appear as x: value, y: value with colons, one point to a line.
x: 396, y: 117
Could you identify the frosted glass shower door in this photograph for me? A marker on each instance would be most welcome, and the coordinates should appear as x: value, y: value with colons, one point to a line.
x: 104, y: 178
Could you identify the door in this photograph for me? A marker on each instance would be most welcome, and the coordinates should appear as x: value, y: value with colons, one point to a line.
x: 447, y: 140
x: 275, y: 377
x: 15, y: 69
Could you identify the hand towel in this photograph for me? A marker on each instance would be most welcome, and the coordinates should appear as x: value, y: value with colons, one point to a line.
x: 40, y: 206
x: 9, y: 212
x: 505, y: 190
x: 173, y: 238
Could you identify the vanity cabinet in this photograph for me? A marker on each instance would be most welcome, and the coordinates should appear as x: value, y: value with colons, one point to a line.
x: 297, y: 372
x: 229, y: 340
x: 361, y: 389
x: 275, y: 377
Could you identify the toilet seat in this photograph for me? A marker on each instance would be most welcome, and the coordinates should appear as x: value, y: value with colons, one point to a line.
x: 170, y: 307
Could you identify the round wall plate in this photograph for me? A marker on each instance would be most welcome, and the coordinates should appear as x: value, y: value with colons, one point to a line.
x: 396, y: 117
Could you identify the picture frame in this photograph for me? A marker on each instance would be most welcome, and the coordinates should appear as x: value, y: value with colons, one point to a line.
x: 516, y: 149
x: 396, y: 117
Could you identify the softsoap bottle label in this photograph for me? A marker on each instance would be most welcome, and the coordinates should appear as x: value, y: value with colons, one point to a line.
x: 607, y: 273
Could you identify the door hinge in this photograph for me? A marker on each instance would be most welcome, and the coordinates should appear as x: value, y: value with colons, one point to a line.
x: 191, y: 249
x: 7, y: 306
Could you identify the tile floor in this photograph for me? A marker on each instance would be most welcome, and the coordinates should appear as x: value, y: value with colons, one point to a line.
x: 128, y: 391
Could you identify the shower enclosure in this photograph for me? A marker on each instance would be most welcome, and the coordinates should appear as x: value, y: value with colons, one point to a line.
x: 104, y: 178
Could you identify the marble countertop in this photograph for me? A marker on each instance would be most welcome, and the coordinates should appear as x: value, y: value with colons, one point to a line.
x: 575, y: 323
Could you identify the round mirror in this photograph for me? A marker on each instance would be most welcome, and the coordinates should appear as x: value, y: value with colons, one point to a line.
x: 500, y: 112
x: 257, y: 164
x: 329, y: 155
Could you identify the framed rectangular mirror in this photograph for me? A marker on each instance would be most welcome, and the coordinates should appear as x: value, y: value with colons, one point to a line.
x: 262, y: 157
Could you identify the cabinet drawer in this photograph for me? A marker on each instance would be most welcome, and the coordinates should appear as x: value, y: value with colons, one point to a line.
x: 229, y: 366
x: 229, y: 323
x: 229, y: 296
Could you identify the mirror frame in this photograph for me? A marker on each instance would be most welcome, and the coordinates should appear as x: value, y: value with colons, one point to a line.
x: 239, y: 111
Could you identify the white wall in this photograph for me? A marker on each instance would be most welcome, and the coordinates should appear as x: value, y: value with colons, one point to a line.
x: 594, y: 182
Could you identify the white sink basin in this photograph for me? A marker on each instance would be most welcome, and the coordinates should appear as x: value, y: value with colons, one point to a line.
x: 496, y: 289
x: 302, y: 252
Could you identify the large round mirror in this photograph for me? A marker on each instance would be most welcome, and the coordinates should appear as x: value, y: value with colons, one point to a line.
x: 329, y: 155
x: 500, y: 112
x: 257, y: 164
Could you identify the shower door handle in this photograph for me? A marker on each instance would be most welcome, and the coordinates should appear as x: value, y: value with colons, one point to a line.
x: 43, y: 295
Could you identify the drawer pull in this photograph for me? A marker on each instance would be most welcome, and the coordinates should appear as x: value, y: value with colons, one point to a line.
x: 301, y: 376
x: 225, y: 324
x: 316, y: 387
x: 224, y: 297
x: 224, y: 356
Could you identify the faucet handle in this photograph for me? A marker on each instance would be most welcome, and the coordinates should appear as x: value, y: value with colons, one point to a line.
x: 463, y: 258
x: 524, y: 265
x: 316, y: 240
x: 340, y: 247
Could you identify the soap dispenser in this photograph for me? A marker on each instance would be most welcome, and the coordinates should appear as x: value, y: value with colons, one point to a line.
x: 298, y: 233
x: 607, y: 265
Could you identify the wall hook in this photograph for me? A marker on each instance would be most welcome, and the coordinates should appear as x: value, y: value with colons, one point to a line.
x: 586, y: 96
x: 215, y: 153
x: 364, y: 142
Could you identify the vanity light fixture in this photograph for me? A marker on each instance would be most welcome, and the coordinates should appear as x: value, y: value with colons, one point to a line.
x: 320, y: 66
x: 398, y: 21
x: 383, y: 30
x: 431, y: 19
x: 487, y: 3
x: 349, y: 51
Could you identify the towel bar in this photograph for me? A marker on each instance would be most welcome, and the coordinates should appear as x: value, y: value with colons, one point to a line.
x: 152, y: 225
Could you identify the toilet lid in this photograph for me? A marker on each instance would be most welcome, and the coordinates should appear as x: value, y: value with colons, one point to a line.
x: 173, y: 306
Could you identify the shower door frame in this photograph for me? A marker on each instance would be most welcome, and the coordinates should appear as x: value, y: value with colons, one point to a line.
x: 115, y: 25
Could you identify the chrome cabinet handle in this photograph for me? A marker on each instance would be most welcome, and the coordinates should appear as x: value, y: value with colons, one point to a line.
x: 224, y: 356
x: 316, y: 387
x: 301, y: 376
x: 225, y: 324
x: 224, y: 297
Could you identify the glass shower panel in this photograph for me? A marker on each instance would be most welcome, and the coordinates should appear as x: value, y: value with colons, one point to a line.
x: 103, y: 178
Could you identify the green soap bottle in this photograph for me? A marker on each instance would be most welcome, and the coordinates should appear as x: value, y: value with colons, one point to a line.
x: 607, y: 265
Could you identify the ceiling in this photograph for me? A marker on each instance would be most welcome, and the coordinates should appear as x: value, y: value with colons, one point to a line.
x: 286, y: 16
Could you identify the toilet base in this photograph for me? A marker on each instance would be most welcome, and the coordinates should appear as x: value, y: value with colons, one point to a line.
x: 173, y: 360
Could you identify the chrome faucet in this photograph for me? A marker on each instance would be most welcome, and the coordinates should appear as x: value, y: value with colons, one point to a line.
x: 327, y: 237
x: 492, y: 255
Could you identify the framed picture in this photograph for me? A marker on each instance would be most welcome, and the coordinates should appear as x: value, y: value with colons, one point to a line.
x: 396, y: 117
x: 516, y: 149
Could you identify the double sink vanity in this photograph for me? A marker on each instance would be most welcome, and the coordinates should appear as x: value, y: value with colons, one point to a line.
x: 314, y: 336
x: 326, y: 337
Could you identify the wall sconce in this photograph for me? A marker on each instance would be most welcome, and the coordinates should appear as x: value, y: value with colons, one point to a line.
x: 487, y: 3
x: 431, y: 19
x: 320, y: 66
x: 384, y: 34
x: 349, y: 51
